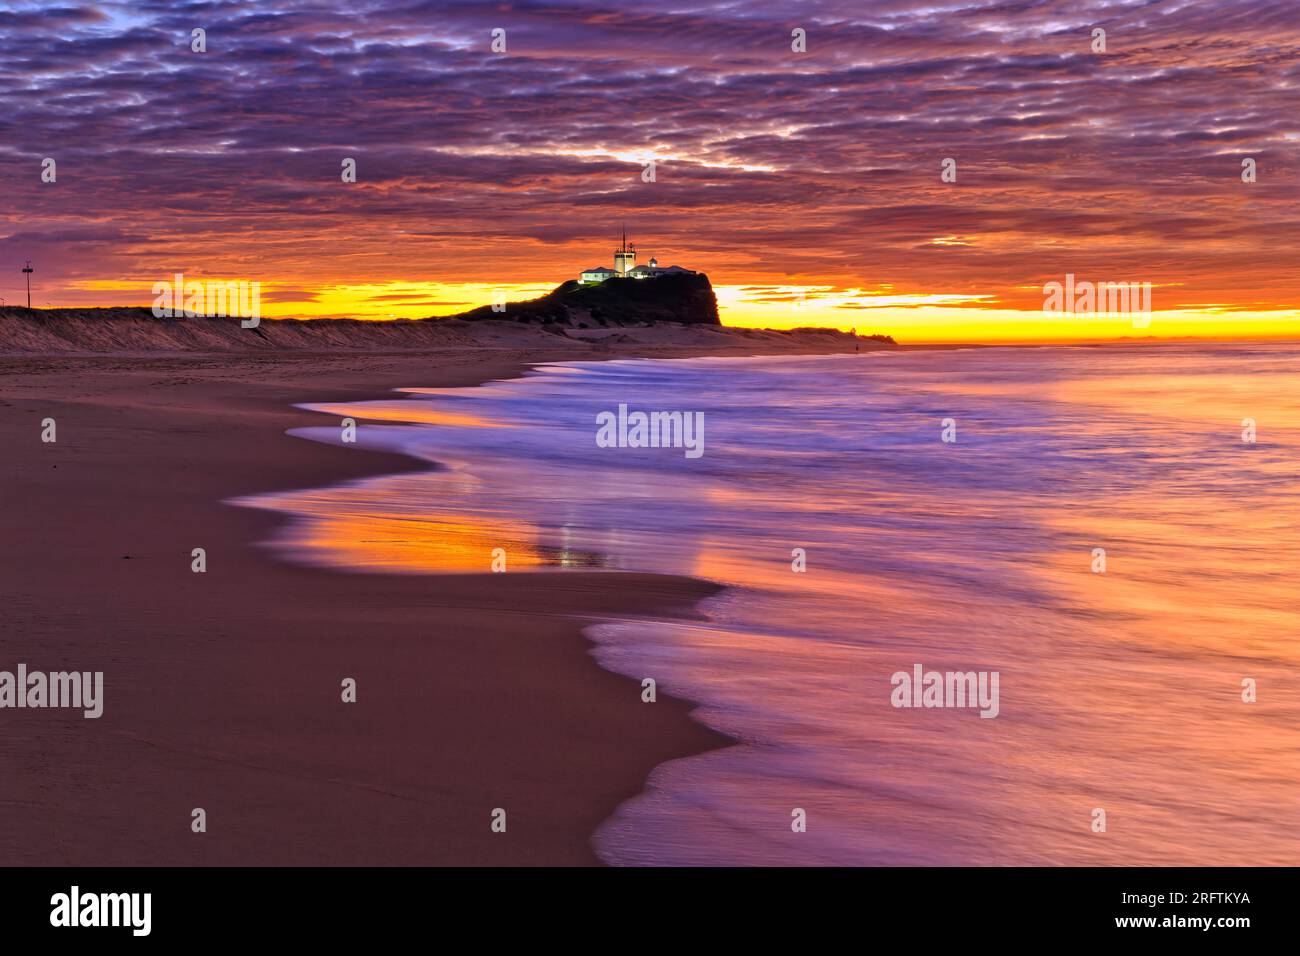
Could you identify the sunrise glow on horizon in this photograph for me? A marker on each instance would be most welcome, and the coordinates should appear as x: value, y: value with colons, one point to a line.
x: 910, y: 319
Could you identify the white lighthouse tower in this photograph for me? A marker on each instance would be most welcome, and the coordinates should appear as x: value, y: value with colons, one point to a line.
x: 624, y: 257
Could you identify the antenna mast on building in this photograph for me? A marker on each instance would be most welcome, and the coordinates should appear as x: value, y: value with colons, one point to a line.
x: 624, y: 258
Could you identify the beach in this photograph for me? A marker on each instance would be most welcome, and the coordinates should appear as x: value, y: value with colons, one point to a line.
x: 222, y: 690
x: 1037, y: 569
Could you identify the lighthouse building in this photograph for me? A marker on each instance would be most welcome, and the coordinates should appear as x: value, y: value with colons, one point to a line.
x: 625, y: 267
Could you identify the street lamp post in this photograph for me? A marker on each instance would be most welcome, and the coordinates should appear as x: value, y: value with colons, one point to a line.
x: 28, y: 270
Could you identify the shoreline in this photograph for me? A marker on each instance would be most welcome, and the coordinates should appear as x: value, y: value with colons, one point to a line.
x: 222, y: 689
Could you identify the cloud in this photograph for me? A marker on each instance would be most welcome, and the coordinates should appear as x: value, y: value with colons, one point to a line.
x: 773, y: 168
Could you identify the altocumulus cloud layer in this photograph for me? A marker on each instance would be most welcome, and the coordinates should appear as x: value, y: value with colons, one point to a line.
x: 773, y: 168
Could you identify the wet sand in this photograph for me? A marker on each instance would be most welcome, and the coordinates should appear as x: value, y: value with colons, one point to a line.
x: 222, y: 689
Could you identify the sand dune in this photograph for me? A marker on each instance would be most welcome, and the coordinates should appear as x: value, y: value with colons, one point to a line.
x: 129, y: 331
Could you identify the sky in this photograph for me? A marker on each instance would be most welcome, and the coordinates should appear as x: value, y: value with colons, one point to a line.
x: 807, y: 185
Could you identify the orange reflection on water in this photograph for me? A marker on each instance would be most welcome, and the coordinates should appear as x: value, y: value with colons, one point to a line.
x: 1197, y: 401
x: 1186, y: 589
x: 394, y: 544
x: 415, y: 413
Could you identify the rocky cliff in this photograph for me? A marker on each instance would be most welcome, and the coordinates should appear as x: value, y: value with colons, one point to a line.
x: 685, y: 299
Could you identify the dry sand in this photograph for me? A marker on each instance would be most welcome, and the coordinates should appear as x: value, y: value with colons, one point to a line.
x: 222, y: 690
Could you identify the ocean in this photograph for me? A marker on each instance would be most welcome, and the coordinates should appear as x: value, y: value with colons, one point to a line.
x: 1098, y: 527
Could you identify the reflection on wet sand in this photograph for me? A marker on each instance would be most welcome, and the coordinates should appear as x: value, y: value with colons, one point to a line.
x: 1121, y: 686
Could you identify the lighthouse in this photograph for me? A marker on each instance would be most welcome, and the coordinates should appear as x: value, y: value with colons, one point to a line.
x: 624, y: 257
x: 625, y: 267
